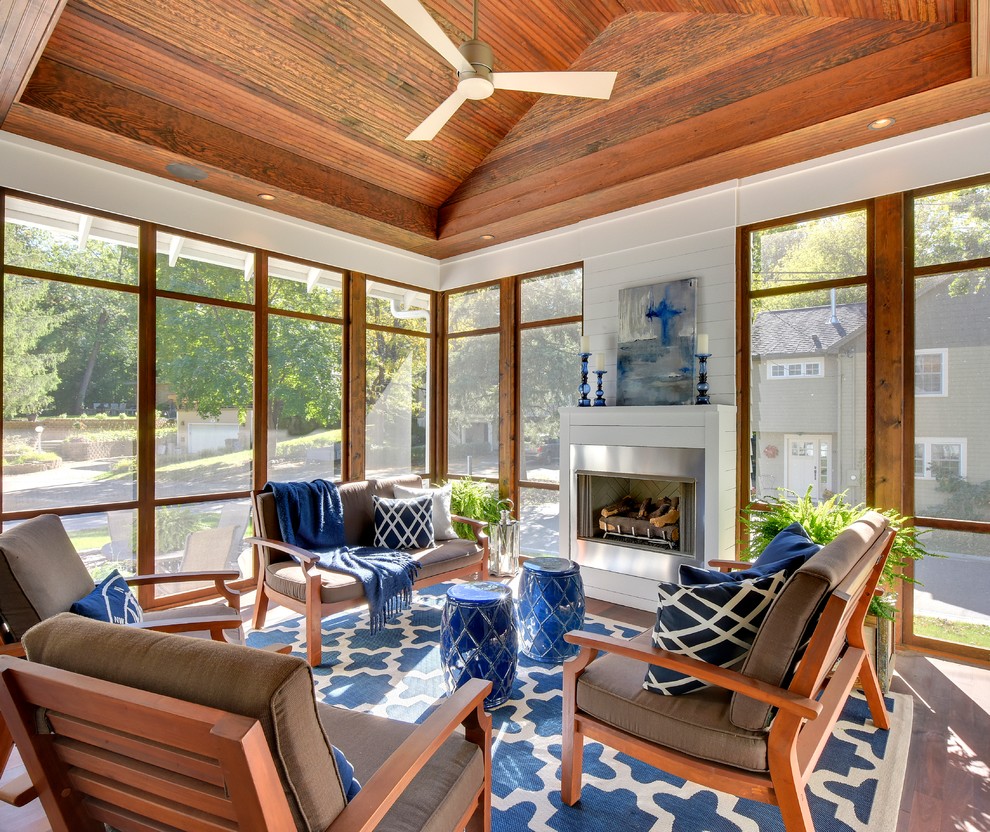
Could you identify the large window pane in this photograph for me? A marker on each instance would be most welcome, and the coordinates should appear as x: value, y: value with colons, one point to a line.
x: 299, y: 288
x: 809, y: 429
x: 555, y: 295
x: 551, y: 371
x: 952, y: 444
x: 68, y: 242
x: 472, y: 405
x: 70, y: 394
x: 205, y: 394
x: 196, y: 267
x: 305, y: 365
x: 200, y: 538
x: 953, y: 226
x: 398, y: 404
x: 951, y: 602
x: 826, y: 248
x: 474, y: 309
x: 539, y: 521
x: 399, y: 306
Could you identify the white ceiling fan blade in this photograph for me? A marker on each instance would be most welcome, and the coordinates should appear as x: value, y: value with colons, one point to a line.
x: 581, y: 84
x: 435, y: 121
x: 422, y: 23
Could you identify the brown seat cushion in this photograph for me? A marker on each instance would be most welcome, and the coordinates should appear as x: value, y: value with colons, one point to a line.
x: 438, y: 796
x: 41, y: 574
x: 276, y: 690
x: 288, y: 577
x: 794, y: 612
x: 611, y: 690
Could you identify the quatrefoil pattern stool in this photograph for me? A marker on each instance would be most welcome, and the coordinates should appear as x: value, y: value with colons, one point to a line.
x: 478, y: 638
x: 551, y: 603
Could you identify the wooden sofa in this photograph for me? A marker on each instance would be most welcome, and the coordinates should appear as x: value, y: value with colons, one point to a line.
x: 289, y: 576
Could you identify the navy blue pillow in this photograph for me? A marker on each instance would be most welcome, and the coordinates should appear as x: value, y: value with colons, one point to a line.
x: 111, y: 600
x: 715, y: 623
x: 346, y: 771
x: 790, y: 541
x: 787, y: 553
x: 404, y: 524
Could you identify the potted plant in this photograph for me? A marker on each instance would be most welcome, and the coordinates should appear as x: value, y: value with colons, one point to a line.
x: 474, y: 499
x: 823, y: 521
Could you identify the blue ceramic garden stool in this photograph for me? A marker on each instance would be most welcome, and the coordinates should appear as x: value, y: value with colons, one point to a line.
x: 478, y: 638
x: 551, y: 603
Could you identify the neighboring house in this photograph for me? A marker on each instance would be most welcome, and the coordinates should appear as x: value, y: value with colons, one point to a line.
x: 809, y: 385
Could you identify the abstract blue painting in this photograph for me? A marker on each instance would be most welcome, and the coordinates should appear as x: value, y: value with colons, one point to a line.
x: 657, y: 327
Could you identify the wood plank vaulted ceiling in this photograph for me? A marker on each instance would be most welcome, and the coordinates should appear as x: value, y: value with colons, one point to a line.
x: 311, y: 100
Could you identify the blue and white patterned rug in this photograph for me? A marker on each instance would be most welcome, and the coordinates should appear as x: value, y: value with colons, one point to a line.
x: 397, y: 673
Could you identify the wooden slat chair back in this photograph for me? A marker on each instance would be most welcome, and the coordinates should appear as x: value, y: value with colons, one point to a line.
x: 109, y: 754
x: 807, y: 705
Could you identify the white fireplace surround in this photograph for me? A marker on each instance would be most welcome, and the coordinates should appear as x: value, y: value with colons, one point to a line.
x: 634, y: 441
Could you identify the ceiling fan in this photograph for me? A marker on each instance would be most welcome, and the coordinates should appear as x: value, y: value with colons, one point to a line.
x: 474, y: 62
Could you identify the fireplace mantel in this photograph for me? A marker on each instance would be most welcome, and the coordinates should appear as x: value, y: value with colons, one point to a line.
x: 589, y: 435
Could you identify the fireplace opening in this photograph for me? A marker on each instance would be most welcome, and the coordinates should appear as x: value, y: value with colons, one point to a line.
x: 650, y: 513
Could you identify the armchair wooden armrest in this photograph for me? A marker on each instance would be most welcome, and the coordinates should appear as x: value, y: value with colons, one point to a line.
x: 214, y: 624
x: 729, y: 565
x: 477, y: 526
x: 304, y: 558
x: 465, y: 706
x: 218, y: 576
x: 732, y: 680
x: 16, y: 650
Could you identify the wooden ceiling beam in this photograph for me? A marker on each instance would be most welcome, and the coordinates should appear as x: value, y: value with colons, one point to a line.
x: 61, y: 131
x: 24, y: 32
x: 87, y: 100
x: 980, y: 24
x: 498, y: 192
x: 917, y: 112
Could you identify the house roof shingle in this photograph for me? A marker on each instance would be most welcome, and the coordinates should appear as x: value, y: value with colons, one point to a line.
x: 805, y: 331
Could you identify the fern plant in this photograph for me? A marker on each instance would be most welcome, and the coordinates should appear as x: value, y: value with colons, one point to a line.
x: 823, y: 521
x: 474, y: 499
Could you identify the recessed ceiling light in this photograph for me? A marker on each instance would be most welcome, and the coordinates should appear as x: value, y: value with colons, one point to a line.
x: 190, y: 173
x: 487, y: 236
x: 266, y: 197
x: 881, y: 123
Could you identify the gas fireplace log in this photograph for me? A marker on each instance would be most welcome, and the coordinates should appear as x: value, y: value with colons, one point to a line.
x: 627, y: 503
x: 668, y: 519
x: 644, y: 509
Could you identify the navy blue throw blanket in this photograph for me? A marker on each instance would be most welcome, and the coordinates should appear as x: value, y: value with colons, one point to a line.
x: 311, y: 516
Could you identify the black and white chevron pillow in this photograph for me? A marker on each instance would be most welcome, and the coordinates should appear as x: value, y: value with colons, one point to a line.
x: 404, y: 524
x: 715, y: 623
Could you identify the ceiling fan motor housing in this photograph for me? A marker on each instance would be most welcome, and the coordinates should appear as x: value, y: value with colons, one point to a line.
x: 476, y: 83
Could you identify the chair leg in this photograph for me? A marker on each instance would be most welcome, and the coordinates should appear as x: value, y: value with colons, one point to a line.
x: 314, y: 640
x: 260, y: 605
x: 874, y: 695
x: 794, y: 811
x: 571, y: 764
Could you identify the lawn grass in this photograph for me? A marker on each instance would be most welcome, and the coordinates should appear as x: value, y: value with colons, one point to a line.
x: 89, y: 540
x: 958, y: 632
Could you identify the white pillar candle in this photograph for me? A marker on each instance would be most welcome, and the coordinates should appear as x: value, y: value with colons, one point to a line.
x: 702, y: 344
x: 584, y: 343
x: 600, y: 362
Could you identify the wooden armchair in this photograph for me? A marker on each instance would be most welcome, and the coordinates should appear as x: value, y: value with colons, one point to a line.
x: 41, y: 575
x: 756, y: 733
x: 141, y: 731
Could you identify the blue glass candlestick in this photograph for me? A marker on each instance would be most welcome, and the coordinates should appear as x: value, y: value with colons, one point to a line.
x: 600, y: 395
x: 584, y: 388
x: 702, y: 397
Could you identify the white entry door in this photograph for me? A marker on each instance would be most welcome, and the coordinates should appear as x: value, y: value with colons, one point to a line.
x: 808, y: 463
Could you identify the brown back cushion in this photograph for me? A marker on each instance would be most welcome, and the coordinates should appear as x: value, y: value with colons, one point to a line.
x: 794, y: 613
x: 355, y: 498
x: 41, y: 574
x: 276, y: 690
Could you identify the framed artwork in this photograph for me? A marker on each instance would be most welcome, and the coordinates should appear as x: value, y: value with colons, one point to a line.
x: 657, y: 328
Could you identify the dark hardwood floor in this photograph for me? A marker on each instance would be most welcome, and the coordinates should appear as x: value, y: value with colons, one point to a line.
x: 947, y: 785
